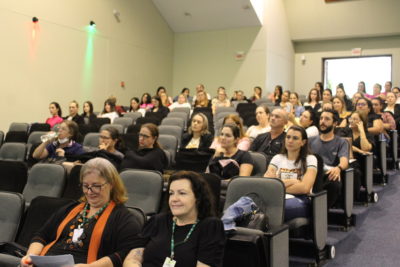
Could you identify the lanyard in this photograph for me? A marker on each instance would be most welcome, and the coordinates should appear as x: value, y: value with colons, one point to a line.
x: 186, y: 238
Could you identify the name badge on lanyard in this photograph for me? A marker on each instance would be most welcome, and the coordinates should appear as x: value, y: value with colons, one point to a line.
x: 77, y: 234
x: 169, y: 262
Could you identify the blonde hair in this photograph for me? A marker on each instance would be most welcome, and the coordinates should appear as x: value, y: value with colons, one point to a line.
x: 204, y: 129
x: 238, y: 122
x: 105, y: 169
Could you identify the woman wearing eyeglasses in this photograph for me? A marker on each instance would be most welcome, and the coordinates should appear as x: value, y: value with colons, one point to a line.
x: 109, y: 141
x: 375, y: 124
x: 98, y: 231
x: 149, y: 156
x: 297, y: 168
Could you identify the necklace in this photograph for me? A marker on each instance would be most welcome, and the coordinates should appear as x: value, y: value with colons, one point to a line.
x: 173, y: 245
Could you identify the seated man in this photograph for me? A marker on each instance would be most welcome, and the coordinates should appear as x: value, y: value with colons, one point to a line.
x: 73, y: 113
x: 334, y: 150
x: 270, y: 143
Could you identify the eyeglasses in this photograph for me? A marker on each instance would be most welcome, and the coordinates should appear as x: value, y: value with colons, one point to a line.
x: 361, y: 104
x: 96, y: 188
x: 143, y: 136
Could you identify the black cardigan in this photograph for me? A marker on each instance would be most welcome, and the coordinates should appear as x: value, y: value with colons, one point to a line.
x: 120, y: 234
x: 205, y: 140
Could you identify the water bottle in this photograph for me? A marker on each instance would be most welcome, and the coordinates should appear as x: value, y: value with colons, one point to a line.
x: 46, y: 137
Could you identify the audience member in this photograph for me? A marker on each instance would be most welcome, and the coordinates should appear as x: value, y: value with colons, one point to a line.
x: 388, y: 86
x: 198, y: 136
x: 297, y: 108
x: 277, y: 95
x: 88, y: 115
x: 165, y: 99
x: 340, y: 106
x: 221, y: 100
x: 257, y: 94
x: 99, y: 230
x: 73, y: 113
x: 262, y: 117
x: 313, y: 100
x: 202, y: 100
x: 387, y: 117
x: 285, y: 104
x: 297, y: 168
x: 188, y: 235
x: 308, y: 119
x: 320, y: 87
x: 55, y: 111
x: 335, y: 153
x: 135, y: 105
x: 109, y: 110
x: 145, y: 102
x: 361, y: 88
x: 158, y: 107
x: 110, y: 141
x: 181, y: 103
x: 340, y: 92
x: 185, y: 91
x: 375, y: 125
x: 392, y: 106
x: 270, y: 143
x: 149, y: 156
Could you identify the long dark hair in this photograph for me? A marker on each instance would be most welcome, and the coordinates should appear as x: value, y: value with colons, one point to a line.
x: 148, y: 99
x: 130, y: 103
x: 57, y: 107
x: 304, y: 150
x: 114, y: 134
x: 201, y: 191
x: 111, y: 103
x: 153, y: 129
x: 280, y: 89
x: 318, y: 95
x: 90, y: 108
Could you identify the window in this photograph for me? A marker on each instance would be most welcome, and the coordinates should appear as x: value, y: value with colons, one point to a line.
x: 351, y: 70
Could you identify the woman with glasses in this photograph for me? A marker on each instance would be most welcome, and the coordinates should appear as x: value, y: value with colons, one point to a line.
x: 229, y: 160
x: 297, y: 168
x: 99, y: 230
x: 220, y: 101
x: 149, y: 155
x: 375, y: 125
x: 109, y: 140
x: 188, y: 235
x: 244, y: 142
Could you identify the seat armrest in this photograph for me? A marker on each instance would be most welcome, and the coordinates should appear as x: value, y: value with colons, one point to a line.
x: 319, y: 208
x: 12, y: 248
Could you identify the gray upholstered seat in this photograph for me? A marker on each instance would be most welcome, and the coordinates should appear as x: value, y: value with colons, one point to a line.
x: 91, y: 140
x: 18, y: 127
x: 13, y: 151
x: 144, y: 189
x: 171, y: 130
x: 11, y: 211
x: 169, y: 143
x: 173, y: 121
x: 124, y: 121
x: 133, y: 115
x: 260, y: 163
x: 45, y: 179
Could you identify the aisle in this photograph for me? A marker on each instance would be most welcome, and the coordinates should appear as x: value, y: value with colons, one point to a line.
x: 376, y: 241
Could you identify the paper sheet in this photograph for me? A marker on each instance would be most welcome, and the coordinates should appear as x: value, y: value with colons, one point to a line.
x: 53, y: 261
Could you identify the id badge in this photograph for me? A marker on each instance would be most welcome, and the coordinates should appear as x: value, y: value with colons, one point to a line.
x: 77, y: 234
x: 169, y: 262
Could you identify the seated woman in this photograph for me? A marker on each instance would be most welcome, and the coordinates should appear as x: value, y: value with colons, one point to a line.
x: 277, y: 95
x: 326, y: 98
x: 388, y: 120
x: 308, y: 120
x: 145, y: 102
x: 341, y: 93
x: 135, y: 105
x: 285, y: 103
x: 149, y: 156
x: 262, y: 117
x: 55, y: 111
x: 109, y: 140
x: 61, y: 146
x: 186, y: 92
x: 257, y: 94
x: 340, y: 106
x: 158, y: 107
x: 297, y: 168
x: 313, y: 100
x: 221, y: 100
x: 202, y: 100
x: 228, y: 160
x: 188, y: 235
x: 109, y: 110
x: 244, y: 142
x: 355, y: 98
x: 392, y: 106
x: 296, y: 104
x: 198, y: 136
x: 165, y: 99
x: 181, y: 103
x: 88, y: 115
x: 99, y: 230
x: 375, y: 124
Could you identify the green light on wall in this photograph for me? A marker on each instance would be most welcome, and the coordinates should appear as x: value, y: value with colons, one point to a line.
x: 88, y: 63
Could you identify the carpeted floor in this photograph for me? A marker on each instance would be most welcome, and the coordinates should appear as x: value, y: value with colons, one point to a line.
x: 376, y: 242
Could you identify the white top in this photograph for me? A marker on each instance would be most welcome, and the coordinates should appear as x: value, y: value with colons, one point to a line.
x: 177, y: 105
x: 110, y: 115
x: 254, y: 131
x: 287, y: 169
x: 312, y: 131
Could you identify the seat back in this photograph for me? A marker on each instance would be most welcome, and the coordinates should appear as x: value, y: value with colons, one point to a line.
x: 18, y: 127
x: 119, y: 127
x: 91, y: 140
x: 181, y: 109
x: 169, y: 143
x: 260, y: 163
x: 13, y: 151
x: 42, y: 127
x: 171, y: 130
x: 45, y: 179
x: 174, y: 121
x: 225, y: 109
x: 38, y: 213
x: 16, y: 137
x: 13, y: 176
x: 34, y: 137
x: 214, y: 181
x: 144, y: 189
x: 100, y: 121
x: 124, y: 121
x: 72, y: 189
x: 134, y: 115
x: 12, y: 206
x: 139, y: 215
x: 1, y: 138
x: 270, y: 190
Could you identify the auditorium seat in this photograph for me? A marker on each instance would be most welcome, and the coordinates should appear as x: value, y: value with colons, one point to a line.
x: 12, y: 206
x: 13, y: 151
x: 14, y: 175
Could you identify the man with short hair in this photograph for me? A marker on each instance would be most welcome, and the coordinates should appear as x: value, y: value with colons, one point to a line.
x: 73, y: 113
x: 334, y: 150
x: 270, y: 143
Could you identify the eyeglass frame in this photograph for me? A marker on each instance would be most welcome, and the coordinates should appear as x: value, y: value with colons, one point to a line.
x: 90, y: 187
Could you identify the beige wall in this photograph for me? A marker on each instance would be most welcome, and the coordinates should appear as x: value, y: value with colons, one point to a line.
x: 316, y: 19
x: 137, y: 50
x: 209, y: 58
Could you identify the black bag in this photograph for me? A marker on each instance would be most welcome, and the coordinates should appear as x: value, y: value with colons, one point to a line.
x: 193, y: 159
x: 257, y: 219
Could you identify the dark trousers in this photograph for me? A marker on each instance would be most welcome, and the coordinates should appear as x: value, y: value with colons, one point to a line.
x: 333, y: 189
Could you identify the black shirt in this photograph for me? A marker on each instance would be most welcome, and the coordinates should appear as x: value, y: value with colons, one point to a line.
x: 270, y: 147
x: 205, y: 140
x: 205, y: 244
x: 147, y: 158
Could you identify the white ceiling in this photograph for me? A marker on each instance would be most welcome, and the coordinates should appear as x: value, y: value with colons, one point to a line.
x: 206, y: 15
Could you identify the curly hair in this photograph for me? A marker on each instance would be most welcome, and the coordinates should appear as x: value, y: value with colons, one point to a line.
x: 201, y: 190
